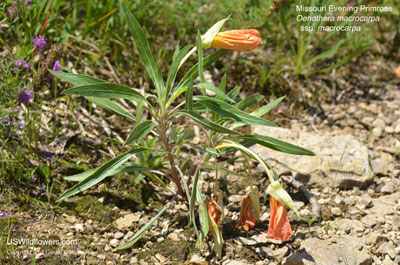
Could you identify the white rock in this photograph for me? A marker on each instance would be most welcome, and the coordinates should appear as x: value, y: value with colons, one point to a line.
x: 343, y: 164
x: 79, y: 227
x: 114, y: 242
x: 127, y: 221
x: 118, y: 235
x: 101, y: 256
x: 133, y: 260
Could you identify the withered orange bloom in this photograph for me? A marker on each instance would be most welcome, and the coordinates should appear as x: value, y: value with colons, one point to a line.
x: 243, y: 39
x: 213, y: 210
x: 398, y: 71
x: 279, y: 226
x: 247, y: 218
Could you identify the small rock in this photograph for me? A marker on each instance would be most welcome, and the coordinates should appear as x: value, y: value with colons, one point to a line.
x: 274, y: 253
x: 127, y: 221
x: 70, y: 219
x: 388, y: 188
x: 101, y: 256
x: 79, y: 228
x: 101, y: 200
x: 300, y: 259
x: 133, y: 260
x: 196, y: 259
x: 174, y: 236
x: 128, y: 235
x: 397, y: 259
x: 109, y: 263
x: 388, y: 261
x: 336, y: 211
x: 107, y: 248
x: 114, y: 242
x: 377, y: 132
x: 396, y: 222
x: 118, y: 235
x: 364, y: 202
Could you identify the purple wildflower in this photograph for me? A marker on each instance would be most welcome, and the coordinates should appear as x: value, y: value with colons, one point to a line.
x: 39, y: 43
x: 57, y: 66
x: 25, y: 96
x: 21, y: 63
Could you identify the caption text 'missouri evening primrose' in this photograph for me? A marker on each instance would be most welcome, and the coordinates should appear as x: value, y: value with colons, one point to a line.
x: 333, y: 8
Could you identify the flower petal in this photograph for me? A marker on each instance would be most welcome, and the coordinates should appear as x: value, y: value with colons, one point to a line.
x: 279, y: 226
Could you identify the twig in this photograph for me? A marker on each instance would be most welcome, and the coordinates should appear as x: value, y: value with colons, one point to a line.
x: 315, y: 208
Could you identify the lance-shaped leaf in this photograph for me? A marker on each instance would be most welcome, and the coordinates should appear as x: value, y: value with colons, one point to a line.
x: 111, y: 106
x: 175, y: 66
x: 260, y: 111
x: 208, y: 123
x: 217, y: 235
x: 122, y: 169
x: 249, y: 101
x: 76, y: 79
x: 207, y: 62
x: 228, y: 111
x: 100, y: 174
x: 140, y: 130
x: 217, y: 91
x: 203, y: 216
x: 275, y: 144
x: 144, y: 51
x: 141, y: 231
x: 105, y: 90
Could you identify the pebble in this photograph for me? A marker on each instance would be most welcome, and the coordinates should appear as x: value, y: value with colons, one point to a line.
x: 133, y: 260
x: 388, y: 188
x: 101, y: 256
x: 336, y: 211
x: 174, y: 236
x: 79, y: 227
x: 377, y: 132
x: 114, y: 242
x: 118, y: 235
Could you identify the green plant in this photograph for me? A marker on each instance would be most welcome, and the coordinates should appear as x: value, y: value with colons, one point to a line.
x: 156, y: 143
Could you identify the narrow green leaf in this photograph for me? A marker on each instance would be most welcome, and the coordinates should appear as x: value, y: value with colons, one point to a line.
x: 173, y: 70
x: 203, y: 216
x: 225, y: 110
x: 209, y: 150
x: 100, y: 174
x: 217, y: 91
x: 276, y: 144
x: 200, y: 58
x: 144, y: 51
x: 234, y: 92
x: 76, y: 79
x: 207, y: 62
x: 260, y: 112
x: 249, y: 101
x: 192, y: 200
x: 189, y: 96
x: 139, y: 109
x: 122, y: 169
x: 105, y: 90
x: 140, y: 131
x: 265, y: 109
x: 111, y: 106
x: 141, y: 231
x: 208, y: 123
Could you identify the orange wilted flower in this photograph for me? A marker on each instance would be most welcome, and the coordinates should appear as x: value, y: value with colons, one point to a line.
x: 247, y: 218
x: 213, y: 210
x: 279, y: 226
x: 243, y: 39
x: 398, y: 71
